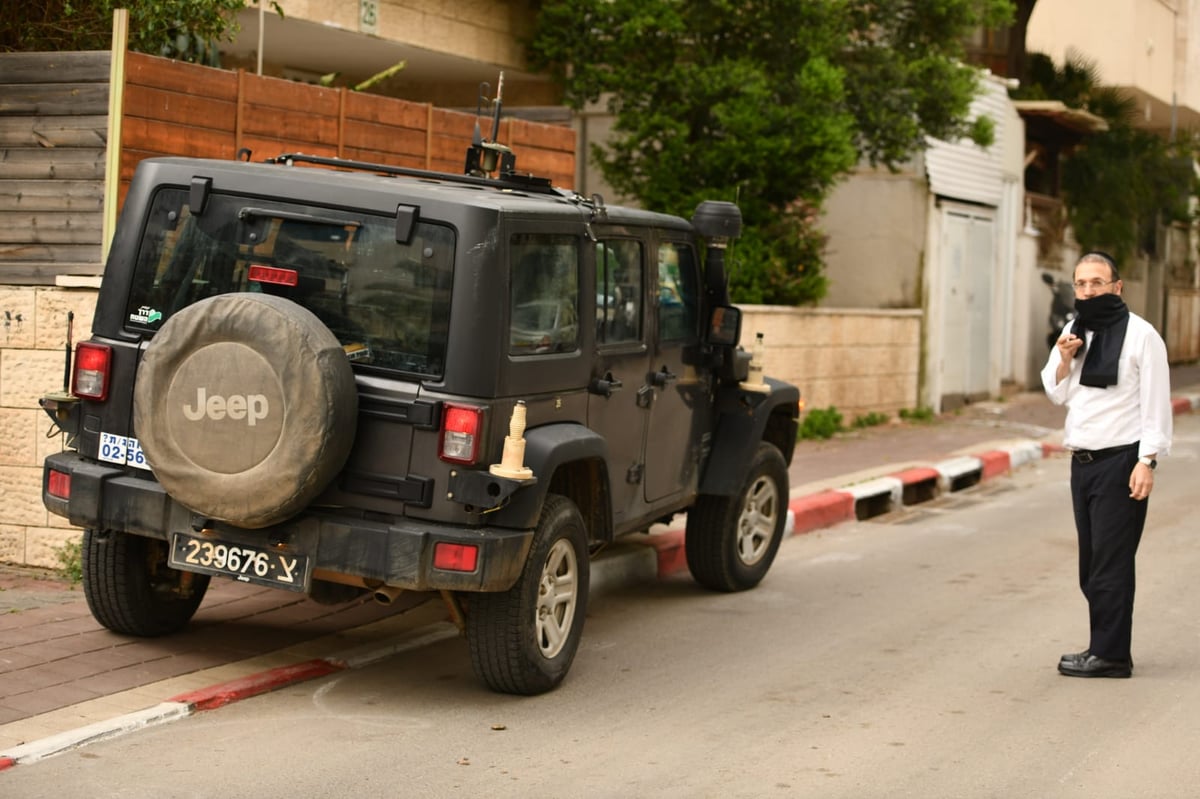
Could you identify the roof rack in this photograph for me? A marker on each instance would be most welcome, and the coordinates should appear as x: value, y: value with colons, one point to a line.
x: 506, y: 180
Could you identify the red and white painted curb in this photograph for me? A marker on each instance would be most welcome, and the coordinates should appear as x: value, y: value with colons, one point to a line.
x: 662, y: 556
x: 225, y: 693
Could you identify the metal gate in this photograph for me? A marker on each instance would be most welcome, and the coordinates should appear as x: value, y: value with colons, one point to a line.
x: 968, y: 267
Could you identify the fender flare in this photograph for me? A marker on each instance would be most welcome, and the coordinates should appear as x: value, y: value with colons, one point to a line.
x: 741, y: 424
x: 546, y: 449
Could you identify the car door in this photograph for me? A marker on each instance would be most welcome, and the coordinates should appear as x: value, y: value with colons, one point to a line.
x: 680, y: 410
x: 618, y: 399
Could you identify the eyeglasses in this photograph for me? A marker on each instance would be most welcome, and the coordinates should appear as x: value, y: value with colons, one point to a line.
x: 1080, y: 285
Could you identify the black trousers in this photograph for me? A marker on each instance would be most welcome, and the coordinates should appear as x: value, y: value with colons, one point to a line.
x: 1109, y: 525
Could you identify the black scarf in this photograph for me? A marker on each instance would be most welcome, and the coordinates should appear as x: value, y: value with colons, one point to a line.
x: 1107, y: 316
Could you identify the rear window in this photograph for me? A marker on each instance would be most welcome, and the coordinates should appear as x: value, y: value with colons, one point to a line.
x: 387, y: 303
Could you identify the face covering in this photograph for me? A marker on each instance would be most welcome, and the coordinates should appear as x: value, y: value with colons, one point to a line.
x: 1107, y: 316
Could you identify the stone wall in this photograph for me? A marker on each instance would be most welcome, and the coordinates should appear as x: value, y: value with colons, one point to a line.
x: 856, y: 360
x: 32, y: 363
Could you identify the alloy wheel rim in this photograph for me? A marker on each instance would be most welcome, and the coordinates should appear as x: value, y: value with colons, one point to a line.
x: 756, y: 524
x: 557, y: 596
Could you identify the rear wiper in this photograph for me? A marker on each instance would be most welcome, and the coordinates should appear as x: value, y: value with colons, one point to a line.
x: 269, y: 213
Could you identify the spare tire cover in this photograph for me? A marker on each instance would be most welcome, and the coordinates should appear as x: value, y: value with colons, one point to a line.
x: 245, y: 406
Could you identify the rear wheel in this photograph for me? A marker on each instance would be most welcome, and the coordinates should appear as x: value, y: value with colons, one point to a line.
x: 131, y: 590
x: 523, y: 640
x: 731, y: 541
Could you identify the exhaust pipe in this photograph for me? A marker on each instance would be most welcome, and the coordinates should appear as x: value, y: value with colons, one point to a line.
x: 386, y: 594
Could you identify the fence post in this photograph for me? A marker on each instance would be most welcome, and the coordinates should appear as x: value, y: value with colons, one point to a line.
x: 116, y: 112
x: 429, y: 135
x: 239, y: 111
x: 343, y: 92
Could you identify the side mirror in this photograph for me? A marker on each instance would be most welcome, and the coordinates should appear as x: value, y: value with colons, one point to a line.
x: 725, y: 325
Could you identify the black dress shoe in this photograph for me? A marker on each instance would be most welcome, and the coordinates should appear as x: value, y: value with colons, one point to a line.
x: 1092, y: 666
x: 1075, y: 657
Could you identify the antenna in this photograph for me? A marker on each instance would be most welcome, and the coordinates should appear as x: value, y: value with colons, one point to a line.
x: 496, y: 106
x: 67, y: 369
x: 484, y: 156
x: 480, y: 99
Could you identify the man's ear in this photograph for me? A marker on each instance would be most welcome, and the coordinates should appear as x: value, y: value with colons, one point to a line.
x: 1117, y: 288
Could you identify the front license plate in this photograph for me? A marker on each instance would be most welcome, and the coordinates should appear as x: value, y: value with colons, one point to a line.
x: 242, y: 562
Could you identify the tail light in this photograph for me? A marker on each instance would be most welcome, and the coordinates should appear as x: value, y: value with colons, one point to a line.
x: 462, y: 426
x: 93, y: 364
x: 455, y: 557
x: 260, y: 273
x: 58, y: 484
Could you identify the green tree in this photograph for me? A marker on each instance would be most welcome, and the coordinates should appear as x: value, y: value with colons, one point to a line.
x: 1118, y: 184
x: 183, y: 29
x: 763, y: 102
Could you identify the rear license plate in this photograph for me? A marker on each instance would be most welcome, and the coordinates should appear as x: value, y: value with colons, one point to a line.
x: 242, y: 562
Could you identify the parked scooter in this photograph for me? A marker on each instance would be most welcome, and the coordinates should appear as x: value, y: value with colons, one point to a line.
x: 1062, y: 306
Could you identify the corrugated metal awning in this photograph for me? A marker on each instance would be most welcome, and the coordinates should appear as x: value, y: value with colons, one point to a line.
x: 1074, y: 119
x: 963, y: 170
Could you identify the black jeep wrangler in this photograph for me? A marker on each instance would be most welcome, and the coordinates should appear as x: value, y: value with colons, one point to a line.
x: 334, y: 377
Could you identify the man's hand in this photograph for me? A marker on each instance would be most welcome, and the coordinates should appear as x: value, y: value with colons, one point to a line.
x: 1141, y: 481
x: 1068, y: 345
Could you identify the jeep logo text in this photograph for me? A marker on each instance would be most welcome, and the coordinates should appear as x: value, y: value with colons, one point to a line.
x: 251, y: 408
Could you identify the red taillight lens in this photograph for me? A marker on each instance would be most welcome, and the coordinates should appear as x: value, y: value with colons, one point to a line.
x: 260, y: 273
x: 461, y: 427
x: 93, y: 362
x: 455, y: 557
x: 59, y: 484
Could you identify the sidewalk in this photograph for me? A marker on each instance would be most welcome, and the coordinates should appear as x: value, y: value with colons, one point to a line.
x: 66, y: 681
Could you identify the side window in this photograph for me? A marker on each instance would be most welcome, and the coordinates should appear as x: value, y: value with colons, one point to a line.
x: 543, y: 294
x: 619, y: 292
x: 678, y: 292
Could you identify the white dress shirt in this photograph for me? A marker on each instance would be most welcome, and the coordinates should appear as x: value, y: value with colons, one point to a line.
x: 1137, y: 408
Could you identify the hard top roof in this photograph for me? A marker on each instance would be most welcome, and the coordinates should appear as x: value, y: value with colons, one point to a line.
x: 433, y: 192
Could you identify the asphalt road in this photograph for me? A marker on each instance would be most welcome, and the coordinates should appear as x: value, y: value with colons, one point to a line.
x: 910, y: 655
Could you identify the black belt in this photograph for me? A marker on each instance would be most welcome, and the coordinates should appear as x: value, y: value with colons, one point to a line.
x: 1089, y: 455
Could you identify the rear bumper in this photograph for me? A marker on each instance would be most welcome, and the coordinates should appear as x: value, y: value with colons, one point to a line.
x: 398, y: 553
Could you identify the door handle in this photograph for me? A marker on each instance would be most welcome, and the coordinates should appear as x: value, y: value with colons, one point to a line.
x: 605, y: 386
x: 663, y: 377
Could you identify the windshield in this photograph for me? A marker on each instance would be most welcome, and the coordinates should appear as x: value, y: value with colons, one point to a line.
x: 387, y: 303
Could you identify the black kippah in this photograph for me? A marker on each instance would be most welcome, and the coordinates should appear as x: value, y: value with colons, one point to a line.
x: 1101, y: 254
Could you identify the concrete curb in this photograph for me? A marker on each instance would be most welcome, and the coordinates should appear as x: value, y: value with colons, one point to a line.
x: 658, y: 556
x: 224, y: 693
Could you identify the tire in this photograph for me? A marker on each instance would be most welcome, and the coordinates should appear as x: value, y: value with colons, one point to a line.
x: 131, y: 590
x: 245, y: 405
x: 522, y: 640
x: 731, y: 541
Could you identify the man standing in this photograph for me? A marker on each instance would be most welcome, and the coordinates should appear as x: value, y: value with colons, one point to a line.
x: 1110, y: 369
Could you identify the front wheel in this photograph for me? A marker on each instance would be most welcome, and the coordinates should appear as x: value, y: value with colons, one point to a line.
x: 731, y: 541
x: 522, y: 640
x: 131, y: 590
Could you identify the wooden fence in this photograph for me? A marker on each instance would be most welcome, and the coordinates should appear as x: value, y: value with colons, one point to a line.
x: 53, y: 140
x: 54, y: 129
x: 181, y: 109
